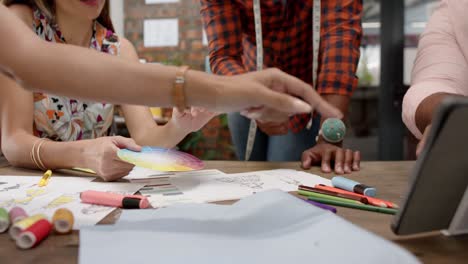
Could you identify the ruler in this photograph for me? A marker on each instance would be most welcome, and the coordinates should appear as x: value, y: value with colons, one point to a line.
x: 316, y: 14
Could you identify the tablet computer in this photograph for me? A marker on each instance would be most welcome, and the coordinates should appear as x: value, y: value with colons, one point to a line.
x: 439, y: 180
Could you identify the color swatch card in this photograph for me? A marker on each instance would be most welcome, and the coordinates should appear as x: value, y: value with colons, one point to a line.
x: 161, y: 159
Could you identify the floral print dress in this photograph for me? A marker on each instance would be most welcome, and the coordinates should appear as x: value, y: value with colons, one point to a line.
x: 62, y: 118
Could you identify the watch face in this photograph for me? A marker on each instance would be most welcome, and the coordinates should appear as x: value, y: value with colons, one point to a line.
x: 333, y: 130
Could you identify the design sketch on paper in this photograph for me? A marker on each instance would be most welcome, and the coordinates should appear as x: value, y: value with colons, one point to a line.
x: 8, y: 203
x: 95, y: 209
x: 31, y: 194
x: 289, y: 180
x: 10, y: 188
x: 251, y: 181
x: 61, y: 201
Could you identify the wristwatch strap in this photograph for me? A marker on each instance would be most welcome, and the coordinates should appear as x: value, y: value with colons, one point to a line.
x: 179, y: 89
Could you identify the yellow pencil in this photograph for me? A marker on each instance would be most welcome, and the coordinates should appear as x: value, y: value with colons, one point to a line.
x: 45, y: 179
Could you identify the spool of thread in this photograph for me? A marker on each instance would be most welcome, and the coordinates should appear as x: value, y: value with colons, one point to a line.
x: 34, y: 234
x: 4, y: 220
x: 353, y: 186
x: 63, y: 221
x: 22, y: 225
x: 333, y: 130
x: 17, y: 214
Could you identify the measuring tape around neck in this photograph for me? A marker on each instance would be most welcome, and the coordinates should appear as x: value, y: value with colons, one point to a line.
x: 316, y: 13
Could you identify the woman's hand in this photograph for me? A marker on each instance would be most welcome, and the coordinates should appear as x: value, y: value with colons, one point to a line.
x: 101, y: 156
x: 191, y: 120
x: 269, y: 96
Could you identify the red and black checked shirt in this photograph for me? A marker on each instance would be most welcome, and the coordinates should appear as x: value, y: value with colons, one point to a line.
x: 287, y: 41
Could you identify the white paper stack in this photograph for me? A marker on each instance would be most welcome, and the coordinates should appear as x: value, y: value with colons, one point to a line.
x: 206, y: 186
x: 269, y: 227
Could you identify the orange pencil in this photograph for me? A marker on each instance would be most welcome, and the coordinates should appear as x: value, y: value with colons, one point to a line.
x: 371, y: 200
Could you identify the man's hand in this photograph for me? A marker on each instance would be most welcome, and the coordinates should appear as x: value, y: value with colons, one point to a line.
x: 323, y: 153
x: 423, y: 141
x: 273, y: 128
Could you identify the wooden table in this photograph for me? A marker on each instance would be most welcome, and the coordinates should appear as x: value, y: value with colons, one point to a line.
x: 390, y: 178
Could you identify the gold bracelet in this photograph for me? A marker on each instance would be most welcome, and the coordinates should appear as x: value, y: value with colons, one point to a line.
x: 178, y: 90
x: 39, y: 160
x: 33, y: 155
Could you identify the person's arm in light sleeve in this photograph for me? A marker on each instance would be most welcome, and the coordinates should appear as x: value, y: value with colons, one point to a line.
x: 440, y: 70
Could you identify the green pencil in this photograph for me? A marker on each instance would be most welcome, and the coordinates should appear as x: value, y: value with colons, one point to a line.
x: 353, y: 205
x: 325, y: 196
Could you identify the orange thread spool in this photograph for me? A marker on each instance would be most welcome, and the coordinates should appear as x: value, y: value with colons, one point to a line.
x: 63, y: 221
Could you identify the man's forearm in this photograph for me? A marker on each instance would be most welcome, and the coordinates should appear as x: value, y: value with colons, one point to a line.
x: 339, y: 101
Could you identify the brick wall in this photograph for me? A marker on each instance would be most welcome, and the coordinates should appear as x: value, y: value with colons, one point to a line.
x: 214, y: 141
x: 190, y: 51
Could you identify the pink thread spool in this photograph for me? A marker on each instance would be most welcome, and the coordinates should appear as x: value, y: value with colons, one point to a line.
x: 17, y: 214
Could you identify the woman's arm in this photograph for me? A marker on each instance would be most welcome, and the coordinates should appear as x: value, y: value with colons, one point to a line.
x: 440, y: 70
x: 17, y: 132
x: 17, y: 122
x: 139, y: 119
x: 17, y: 110
x: 91, y: 75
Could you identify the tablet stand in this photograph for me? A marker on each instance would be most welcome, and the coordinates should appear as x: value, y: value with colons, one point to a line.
x: 459, y: 224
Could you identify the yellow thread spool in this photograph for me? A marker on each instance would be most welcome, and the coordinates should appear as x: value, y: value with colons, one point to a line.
x: 63, y: 221
x: 19, y: 226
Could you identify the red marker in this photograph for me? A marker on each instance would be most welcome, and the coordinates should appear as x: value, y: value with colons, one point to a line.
x: 115, y: 200
x: 370, y: 200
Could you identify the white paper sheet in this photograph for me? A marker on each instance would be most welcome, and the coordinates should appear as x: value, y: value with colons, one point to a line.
x: 61, y: 192
x: 161, y: 32
x: 186, y: 187
x: 139, y: 173
x: 269, y: 227
x: 214, y: 185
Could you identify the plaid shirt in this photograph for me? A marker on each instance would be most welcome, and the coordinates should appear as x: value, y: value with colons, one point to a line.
x: 287, y: 41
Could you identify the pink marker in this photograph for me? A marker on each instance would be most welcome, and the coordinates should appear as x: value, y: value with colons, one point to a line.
x: 115, y: 200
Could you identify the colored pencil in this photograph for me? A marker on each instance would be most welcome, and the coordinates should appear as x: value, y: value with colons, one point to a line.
x: 354, y: 205
x: 370, y: 200
x: 323, y: 206
x: 338, y: 193
x: 317, y: 190
x: 325, y: 196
